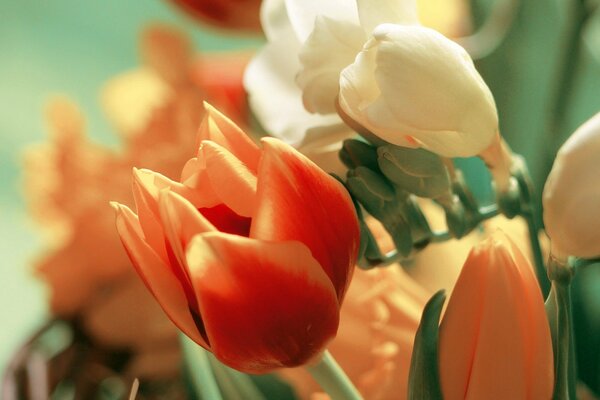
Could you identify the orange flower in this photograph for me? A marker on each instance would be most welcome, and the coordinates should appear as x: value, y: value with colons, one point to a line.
x: 232, y: 14
x: 254, y: 241
x: 494, y: 338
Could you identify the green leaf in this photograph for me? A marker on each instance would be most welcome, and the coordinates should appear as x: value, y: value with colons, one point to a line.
x: 424, y: 376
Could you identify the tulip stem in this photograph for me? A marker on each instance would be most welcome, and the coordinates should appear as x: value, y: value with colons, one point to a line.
x: 528, y: 212
x: 200, y: 370
x: 558, y: 308
x: 333, y: 379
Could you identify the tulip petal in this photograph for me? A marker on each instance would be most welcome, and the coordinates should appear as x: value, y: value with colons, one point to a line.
x: 299, y: 201
x: 146, y: 188
x: 266, y: 305
x: 194, y: 177
x: 494, y: 337
x: 157, y: 276
x: 218, y: 128
x: 181, y: 221
x: 232, y: 181
x: 331, y: 47
x: 145, y: 194
x: 377, y: 12
x: 303, y: 13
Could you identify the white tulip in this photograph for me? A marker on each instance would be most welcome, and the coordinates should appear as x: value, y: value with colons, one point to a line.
x: 572, y: 194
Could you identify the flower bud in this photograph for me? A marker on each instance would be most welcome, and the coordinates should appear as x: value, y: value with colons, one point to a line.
x: 495, y: 338
x: 572, y: 195
x: 413, y: 87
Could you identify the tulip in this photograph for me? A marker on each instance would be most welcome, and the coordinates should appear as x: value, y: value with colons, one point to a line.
x: 231, y: 14
x: 494, y: 338
x: 259, y: 241
x: 571, y: 195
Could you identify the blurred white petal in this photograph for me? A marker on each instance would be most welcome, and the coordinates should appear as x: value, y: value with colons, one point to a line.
x: 377, y: 12
x: 331, y: 47
x: 303, y: 13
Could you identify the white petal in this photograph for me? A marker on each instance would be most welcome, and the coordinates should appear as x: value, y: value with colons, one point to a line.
x: 303, y: 13
x: 274, y: 96
x: 572, y: 194
x: 412, y: 84
x: 274, y: 19
x: 331, y: 47
x: 377, y: 12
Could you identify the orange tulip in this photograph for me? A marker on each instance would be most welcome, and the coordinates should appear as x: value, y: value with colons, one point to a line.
x: 233, y: 14
x: 494, y: 338
x: 250, y: 255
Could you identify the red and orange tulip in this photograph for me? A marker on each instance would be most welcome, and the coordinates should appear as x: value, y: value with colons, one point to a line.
x: 250, y: 255
x: 232, y: 14
x: 494, y: 338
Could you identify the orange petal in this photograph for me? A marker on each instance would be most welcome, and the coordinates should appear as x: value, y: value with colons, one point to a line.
x: 157, y: 276
x: 194, y: 176
x: 146, y: 188
x: 299, y: 201
x: 494, y: 333
x: 218, y: 128
x: 265, y: 305
x: 181, y: 221
x: 231, y: 180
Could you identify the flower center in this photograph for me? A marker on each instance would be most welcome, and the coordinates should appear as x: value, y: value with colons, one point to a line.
x: 226, y: 220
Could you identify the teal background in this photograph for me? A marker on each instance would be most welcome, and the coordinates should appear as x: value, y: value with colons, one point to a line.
x: 60, y: 46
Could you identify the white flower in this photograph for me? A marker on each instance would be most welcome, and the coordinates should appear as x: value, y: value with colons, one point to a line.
x: 413, y: 87
x: 407, y: 84
x: 572, y: 194
x: 274, y: 96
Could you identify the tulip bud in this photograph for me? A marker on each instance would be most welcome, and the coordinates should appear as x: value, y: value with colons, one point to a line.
x: 413, y: 87
x: 495, y: 337
x: 571, y: 195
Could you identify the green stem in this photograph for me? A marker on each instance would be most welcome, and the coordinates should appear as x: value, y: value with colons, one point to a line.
x: 333, y: 379
x: 536, y: 249
x: 560, y: 317
x: 201, y: 372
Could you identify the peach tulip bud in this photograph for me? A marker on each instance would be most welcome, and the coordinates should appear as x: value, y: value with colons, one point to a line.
x: 494, y: 337
x: 250, y: 255
x: 413, y: 87
x: 572, y: 195
x: 231, y: 14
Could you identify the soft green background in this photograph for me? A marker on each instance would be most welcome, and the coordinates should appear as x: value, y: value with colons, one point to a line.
x: 46, y: 47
